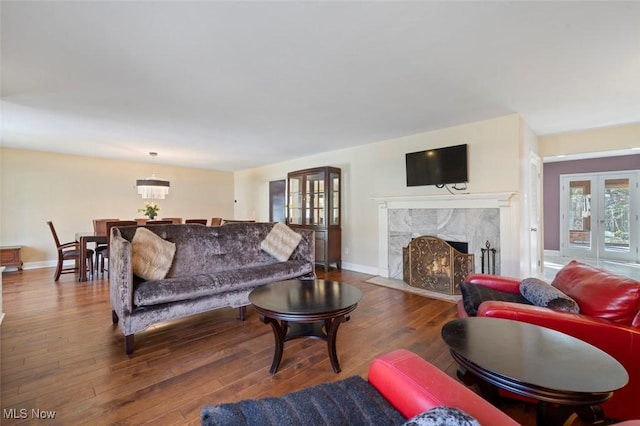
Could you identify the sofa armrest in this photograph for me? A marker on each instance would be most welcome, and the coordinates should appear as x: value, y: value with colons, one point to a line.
x: 620, y: 341
x: 120, y: 273
x: 496, y: 282
x: 412, y: 386
x: 306, y: 249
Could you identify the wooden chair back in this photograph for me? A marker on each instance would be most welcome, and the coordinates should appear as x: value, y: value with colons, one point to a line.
x: 216, y: 221
x: 237, y: 221
x: 199, y: 221
x: 100, y: 225
x: 110, y: 225
x: 55, y: 234
x: 159, y: 222
x: 174, y: 220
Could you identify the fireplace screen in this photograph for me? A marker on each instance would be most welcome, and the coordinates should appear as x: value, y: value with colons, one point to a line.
x: 432, y: 264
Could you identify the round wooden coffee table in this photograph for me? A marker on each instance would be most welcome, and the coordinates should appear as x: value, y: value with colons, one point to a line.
x: 305, y: 308
x: 546, y: 365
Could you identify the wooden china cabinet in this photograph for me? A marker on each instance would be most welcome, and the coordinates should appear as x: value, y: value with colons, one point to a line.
x: 313, y: 202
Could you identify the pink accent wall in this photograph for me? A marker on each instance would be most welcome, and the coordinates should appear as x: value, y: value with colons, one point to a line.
x: 551, y: 187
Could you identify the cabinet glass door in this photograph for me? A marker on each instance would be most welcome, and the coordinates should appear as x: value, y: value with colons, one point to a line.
x: 314, y: 202
x: 295, y: 200
x: 334, y: 195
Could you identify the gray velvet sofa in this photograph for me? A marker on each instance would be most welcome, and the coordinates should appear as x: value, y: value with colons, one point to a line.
x: 213, y: 267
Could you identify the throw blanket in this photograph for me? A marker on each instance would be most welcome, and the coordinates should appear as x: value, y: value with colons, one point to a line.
x: 350, y: 401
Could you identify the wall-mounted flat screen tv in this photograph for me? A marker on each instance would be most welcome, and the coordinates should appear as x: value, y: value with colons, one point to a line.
x: 438, y: 166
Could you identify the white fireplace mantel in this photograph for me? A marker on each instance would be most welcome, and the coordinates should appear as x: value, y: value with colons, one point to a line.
x: 483, y: 200
x: 500, y: 200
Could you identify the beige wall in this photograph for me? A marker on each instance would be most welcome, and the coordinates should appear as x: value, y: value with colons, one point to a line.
x: 594, y: 140
x: 378, y: 169
x: 71, y: 191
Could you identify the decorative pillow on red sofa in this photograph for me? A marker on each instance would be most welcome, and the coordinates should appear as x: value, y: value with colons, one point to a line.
x: 599, y: 293
x: 542, y: 294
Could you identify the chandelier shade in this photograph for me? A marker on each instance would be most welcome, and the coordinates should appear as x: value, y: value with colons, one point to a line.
x: 153, y: 188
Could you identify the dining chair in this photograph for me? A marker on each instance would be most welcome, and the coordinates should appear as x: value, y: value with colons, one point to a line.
x: 159, y: 222
x: 108, y: 226
x: 100, y: 228
x: 216, y: 221
x: 199, y: 221
x: 69, y: 251
x: 174, y: 220
x: 237, y: 221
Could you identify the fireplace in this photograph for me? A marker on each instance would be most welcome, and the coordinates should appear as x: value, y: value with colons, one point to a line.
x: 473, y: 218
x: 431, y: 263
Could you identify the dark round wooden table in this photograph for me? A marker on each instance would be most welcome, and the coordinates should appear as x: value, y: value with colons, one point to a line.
x: 305, y: 308
x: 546, y: 365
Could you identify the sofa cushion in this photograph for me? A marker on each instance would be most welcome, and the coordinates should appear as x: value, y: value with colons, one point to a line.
x: 473, y: 295
x: 174, y: 289
x: 599, y: 293
x: 281, y: 242
x: 442, y: 416
x: 351, y: 401
x: 151, y: 256
x: 540, y: 293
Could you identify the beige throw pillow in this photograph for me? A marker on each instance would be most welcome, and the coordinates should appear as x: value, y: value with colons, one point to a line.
x: 152, y: 255
x: 281, y: 242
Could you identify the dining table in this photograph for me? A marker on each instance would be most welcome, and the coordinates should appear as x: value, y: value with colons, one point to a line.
x: 83, y: 238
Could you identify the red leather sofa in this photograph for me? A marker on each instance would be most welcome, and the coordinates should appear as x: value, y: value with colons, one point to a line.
x: 609, y: 319
x: 407, y: 382
x: 412, y: 386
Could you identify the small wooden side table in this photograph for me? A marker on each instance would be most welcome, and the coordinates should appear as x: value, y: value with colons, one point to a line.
x: 10, y: 256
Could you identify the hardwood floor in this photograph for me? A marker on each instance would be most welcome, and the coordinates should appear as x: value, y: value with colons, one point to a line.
x: 61, y: 353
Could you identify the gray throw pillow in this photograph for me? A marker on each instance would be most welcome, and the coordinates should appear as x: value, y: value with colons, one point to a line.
x: 542, y: 294
x: 442, y: 416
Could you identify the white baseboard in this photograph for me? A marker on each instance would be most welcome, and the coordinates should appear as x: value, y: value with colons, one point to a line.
x: 371, y: 270
x: 46, y: 264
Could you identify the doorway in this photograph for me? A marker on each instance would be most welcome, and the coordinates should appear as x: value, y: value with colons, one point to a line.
x: 599, y: 216
x: 277, y: 200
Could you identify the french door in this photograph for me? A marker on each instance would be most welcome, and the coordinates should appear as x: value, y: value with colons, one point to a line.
x: 599, y: 216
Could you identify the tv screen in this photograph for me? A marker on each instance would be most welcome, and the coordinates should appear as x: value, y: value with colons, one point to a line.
x: 438, y: 166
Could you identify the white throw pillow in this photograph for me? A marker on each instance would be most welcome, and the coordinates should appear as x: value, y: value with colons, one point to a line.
x: 152, y: 255
x: 281, y: 242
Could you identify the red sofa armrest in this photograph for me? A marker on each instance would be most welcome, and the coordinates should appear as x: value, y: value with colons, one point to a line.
x: 496, y: 282
x: 412, y: 386
x: 620, y: 341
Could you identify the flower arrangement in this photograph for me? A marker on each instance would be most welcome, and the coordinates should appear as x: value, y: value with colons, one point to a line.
x: 150, y: 210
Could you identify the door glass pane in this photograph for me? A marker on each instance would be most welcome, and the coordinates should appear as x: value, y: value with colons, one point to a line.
x: 315, y: 199
x: 580, y: 214
x: 616, y: 215
x: 294, y: 206
x: 334, y: 194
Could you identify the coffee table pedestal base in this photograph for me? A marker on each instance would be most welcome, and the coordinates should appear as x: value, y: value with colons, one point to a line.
x: 285, y: 330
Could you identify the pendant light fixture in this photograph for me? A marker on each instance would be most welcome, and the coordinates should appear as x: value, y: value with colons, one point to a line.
x: 153, y: 187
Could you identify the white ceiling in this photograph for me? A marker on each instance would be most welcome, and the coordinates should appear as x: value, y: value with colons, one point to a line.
x: 234, y: 85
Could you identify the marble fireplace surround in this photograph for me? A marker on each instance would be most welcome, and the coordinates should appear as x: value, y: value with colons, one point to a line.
x: 471, y: 218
